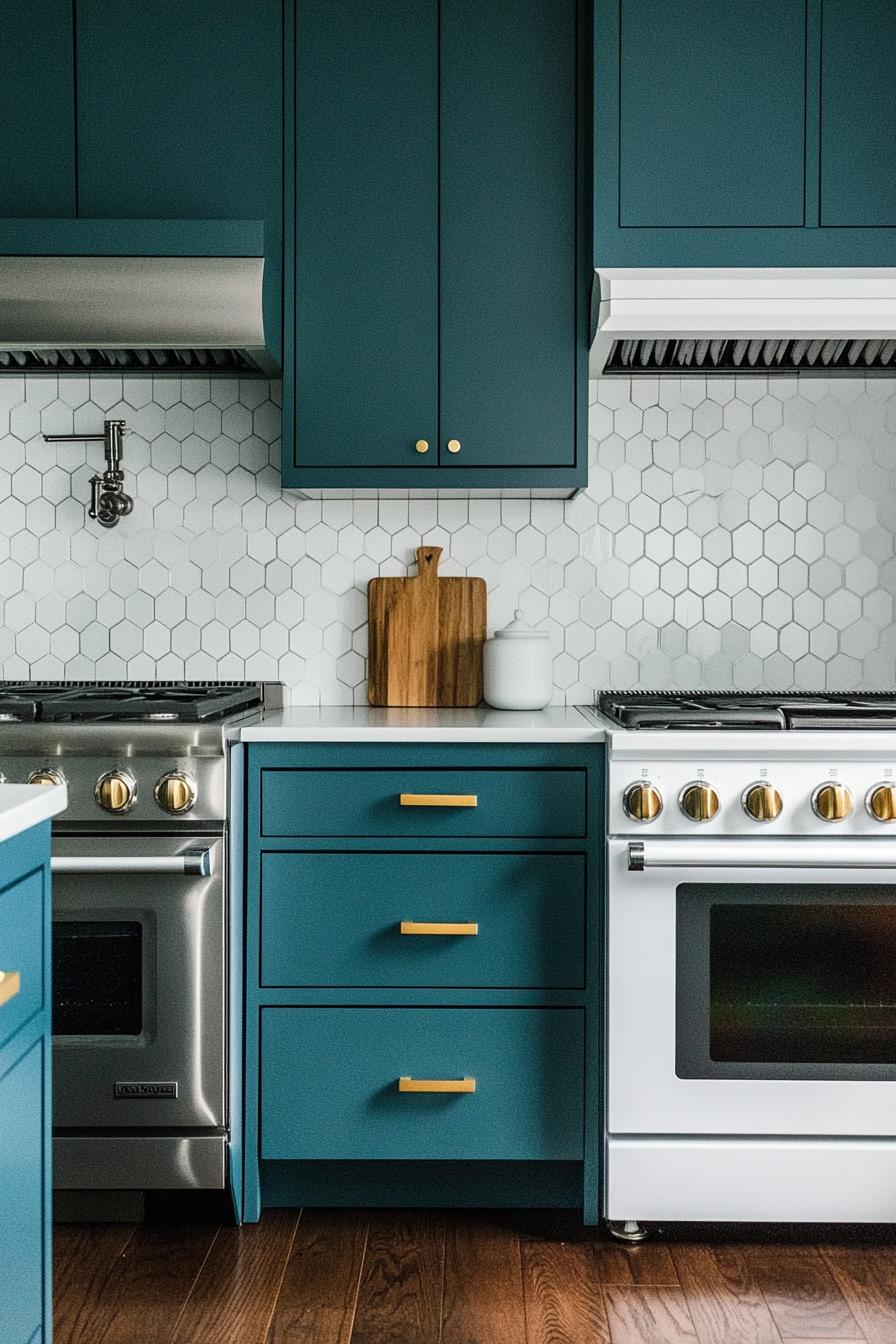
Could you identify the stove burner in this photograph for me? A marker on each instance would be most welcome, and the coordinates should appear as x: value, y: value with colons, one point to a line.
x: 117, y: 702
x: 769, y: 711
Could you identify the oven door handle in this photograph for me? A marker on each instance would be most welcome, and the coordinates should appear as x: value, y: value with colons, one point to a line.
x: 830, y: 854
x: 191, y: 863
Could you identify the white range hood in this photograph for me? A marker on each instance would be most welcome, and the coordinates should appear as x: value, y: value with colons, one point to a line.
x: 708, y: 320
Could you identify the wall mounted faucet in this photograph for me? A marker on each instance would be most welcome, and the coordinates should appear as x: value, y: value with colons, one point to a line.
x: 108, y: 501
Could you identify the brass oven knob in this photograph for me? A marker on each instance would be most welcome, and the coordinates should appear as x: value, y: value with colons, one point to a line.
x: 832, y: 802
x: 881, y: 802
x: 699, y: 801
x: 175, y: 792
x: 116, y: 791
x: 48, y: 775
x: 642, y: 801
x: 761, y: 801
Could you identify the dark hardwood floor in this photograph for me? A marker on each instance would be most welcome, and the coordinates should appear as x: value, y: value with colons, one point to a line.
x: 430, y: 1277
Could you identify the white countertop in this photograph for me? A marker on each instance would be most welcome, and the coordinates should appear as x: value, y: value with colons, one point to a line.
x: 360, y: 723
x: 24, y: 805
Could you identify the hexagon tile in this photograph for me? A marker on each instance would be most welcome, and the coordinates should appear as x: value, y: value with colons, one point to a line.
x: 735, y: 532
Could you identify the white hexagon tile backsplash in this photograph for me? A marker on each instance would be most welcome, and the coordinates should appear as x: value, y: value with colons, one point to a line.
x: 735, y: 532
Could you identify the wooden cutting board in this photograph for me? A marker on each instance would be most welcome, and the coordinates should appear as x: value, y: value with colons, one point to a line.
x: 425, y: 637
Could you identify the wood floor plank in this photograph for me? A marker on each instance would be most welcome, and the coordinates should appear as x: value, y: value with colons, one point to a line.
x: 563, y: 1301
x: 800, y: 1293
x: 650, y: 1315
x: 234, y: 1295
x: 647, y: 1264
x: 866, y: 1276
x: 723, y: 1296
x: 83, y: 1255
x: 141, y: 1296
x: 316, y: 1301
x: 400, y: 1297
x: 483, y: 1299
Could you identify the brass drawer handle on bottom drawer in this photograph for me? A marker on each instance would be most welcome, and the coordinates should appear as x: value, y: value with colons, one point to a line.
x: 438, y: 800
x: 10, y: 984
x: 437, y: 1084
x: 453, y: 930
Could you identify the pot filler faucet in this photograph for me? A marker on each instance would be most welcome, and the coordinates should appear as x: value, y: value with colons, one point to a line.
x: 108, y: 501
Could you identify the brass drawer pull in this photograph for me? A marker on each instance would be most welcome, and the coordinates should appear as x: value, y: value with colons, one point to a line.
x: 438, y: 800
x: 10, y: 984
x: 454, y: 930
x: 437, y: 1084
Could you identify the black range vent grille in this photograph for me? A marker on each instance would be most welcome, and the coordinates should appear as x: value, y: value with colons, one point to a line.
x: 181, y: 361
x: 756, y: 356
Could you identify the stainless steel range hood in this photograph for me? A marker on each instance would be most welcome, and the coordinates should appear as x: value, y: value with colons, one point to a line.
x: 744, y: 321
x: 133, y: 314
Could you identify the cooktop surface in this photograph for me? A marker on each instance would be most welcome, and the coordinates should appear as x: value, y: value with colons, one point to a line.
x: 125, y: 701
x: 767, y: 711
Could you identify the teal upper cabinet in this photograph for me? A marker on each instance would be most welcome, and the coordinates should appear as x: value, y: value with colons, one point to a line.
x: 750, y: 134
x: 858, y: 115
x: 437, y: 265
x: 37, y: 140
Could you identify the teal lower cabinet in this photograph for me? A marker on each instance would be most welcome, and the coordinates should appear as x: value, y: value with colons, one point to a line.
x: 25, y: 1087
x: 422, y: 983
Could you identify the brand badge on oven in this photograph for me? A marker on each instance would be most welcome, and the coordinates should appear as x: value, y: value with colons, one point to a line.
x: 146, y: 1091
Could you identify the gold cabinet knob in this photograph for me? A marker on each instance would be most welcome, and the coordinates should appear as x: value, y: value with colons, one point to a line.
x: 881, y: 802
x: 116, y: 791
x: 832, y: 802
x: 422, y: 446
x: 761, y: 801
x: 642, y: 801
x: 454, y: 445
x: 175, y: 792
x: 48, y: 775
x: 699, y: 801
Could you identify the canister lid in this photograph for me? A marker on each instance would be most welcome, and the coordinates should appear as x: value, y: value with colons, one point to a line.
x: 519, y: 629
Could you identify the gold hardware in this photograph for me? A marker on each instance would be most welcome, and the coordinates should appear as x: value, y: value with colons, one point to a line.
x: 881, y: 802
x: 46, y: 776
x: 642, y: 801
x: 437, y: 1084
x: 116, y: 791
x: 454, y: 930
x: 175, y: 792
x: 832, y: 802
x: 10, y: 984
x: 699, y: 801
x: 761, y: 801
x: 454, y: 445
x: 422, y: 446
x: 439, y: 800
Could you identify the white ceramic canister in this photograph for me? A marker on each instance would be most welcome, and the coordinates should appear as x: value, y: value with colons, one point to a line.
x: 517, y: 667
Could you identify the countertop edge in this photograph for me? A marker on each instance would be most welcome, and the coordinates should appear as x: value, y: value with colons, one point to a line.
x: 25, y: 805
x: 334, y: 724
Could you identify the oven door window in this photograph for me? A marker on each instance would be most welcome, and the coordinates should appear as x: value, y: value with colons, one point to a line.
x: 786, y: 982
x: 97, y: 977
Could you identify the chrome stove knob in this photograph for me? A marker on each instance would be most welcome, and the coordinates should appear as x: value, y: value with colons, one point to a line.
x: 699, y: 801
x: 832, y: 802
x: 761, y: 801
x: 116, y: 791
x: 175, y: 792
x: 881, y: 802
x: 48, y: 775
x: 642, y: 801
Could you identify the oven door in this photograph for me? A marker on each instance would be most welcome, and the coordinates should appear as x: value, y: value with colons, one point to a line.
x: 752, y: 987
x: 138, y: 982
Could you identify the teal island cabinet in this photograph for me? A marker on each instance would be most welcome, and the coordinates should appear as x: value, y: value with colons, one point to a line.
x: 25, y: 934
x: 423, y: 926
x: 755, y: 134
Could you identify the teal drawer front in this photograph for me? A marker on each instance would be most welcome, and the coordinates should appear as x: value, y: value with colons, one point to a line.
x: 21, y: 1205
x: 330, y: 1083
x: 335, y: 919
x: 368, y: 803
x: 21, y: 950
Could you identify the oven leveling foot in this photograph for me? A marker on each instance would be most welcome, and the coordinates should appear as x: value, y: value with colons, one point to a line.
x: 629, y: 1232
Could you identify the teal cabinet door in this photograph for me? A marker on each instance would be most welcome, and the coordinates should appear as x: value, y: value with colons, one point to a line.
x: 180, y: 113
x: 508, y: 291
x: 858, y: 114
x: 22, y: 1196
x: 361, y: 388
x: 37, y: 110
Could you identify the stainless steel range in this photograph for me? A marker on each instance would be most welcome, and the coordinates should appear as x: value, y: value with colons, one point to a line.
x: 751, y: 1040
x: 139, y: 921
